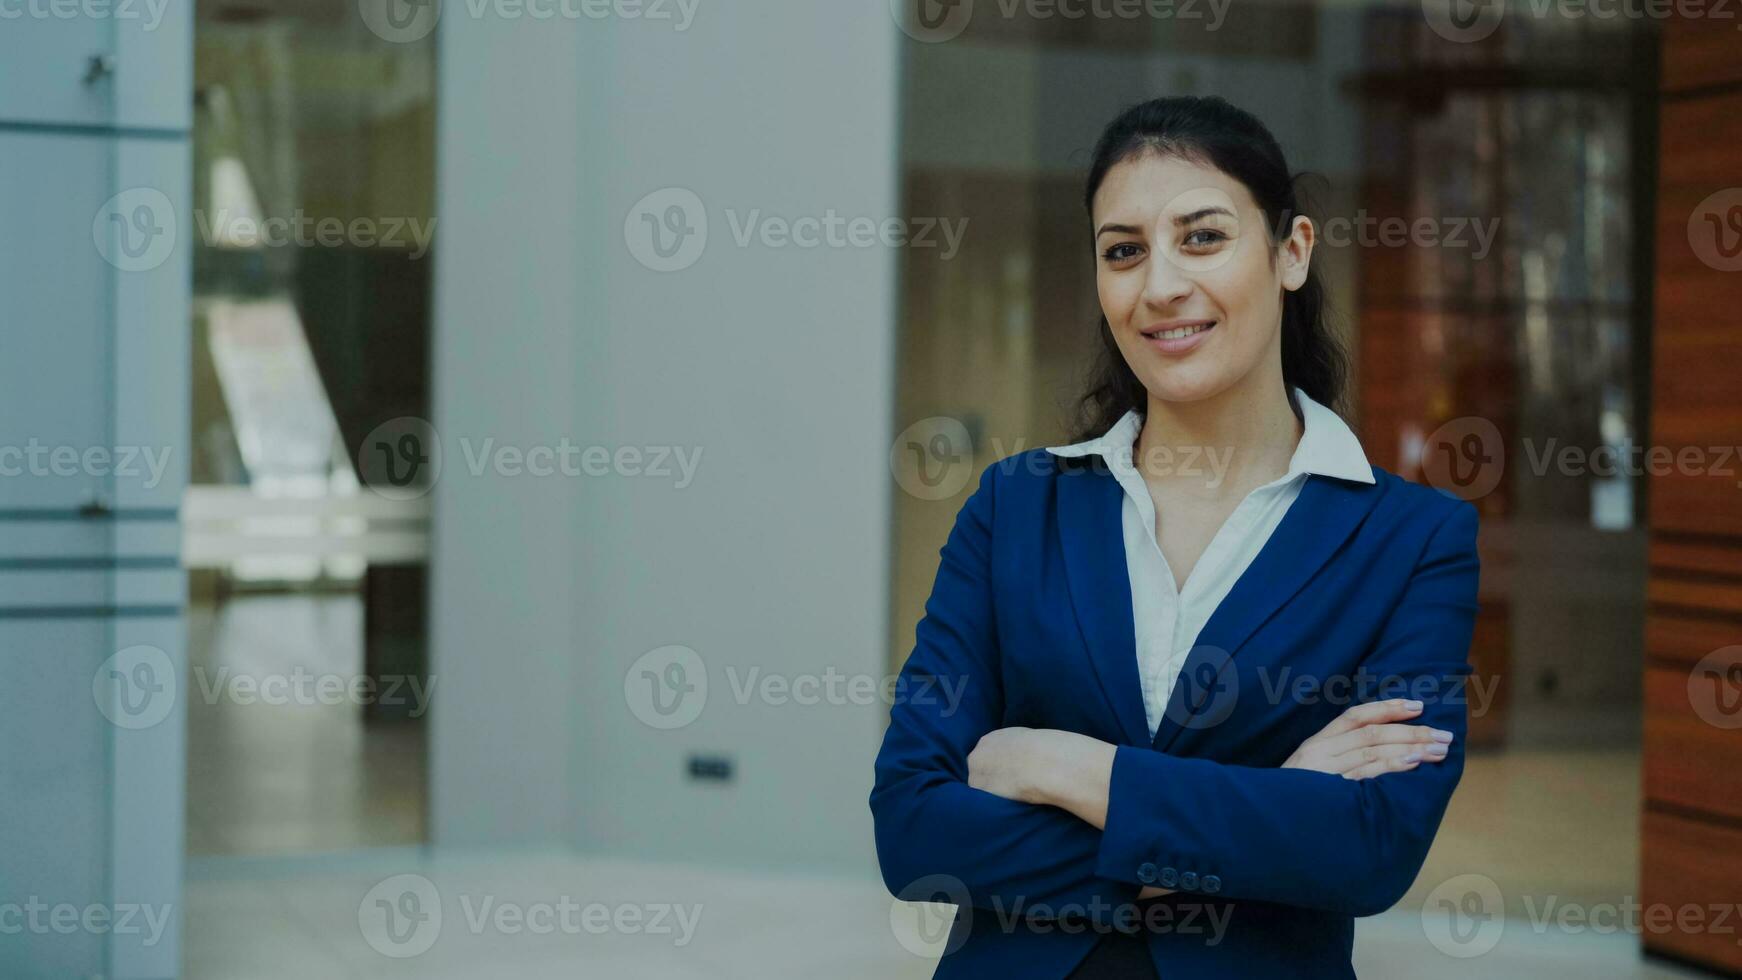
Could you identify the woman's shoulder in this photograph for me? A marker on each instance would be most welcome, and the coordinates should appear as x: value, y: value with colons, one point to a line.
x: 1015, y: 486
x: 1032, y: 474
x: 1418, y: 518
x: 1422, y: 500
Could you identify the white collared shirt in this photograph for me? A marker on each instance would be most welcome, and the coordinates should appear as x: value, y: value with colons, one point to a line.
x: 1166, y: 620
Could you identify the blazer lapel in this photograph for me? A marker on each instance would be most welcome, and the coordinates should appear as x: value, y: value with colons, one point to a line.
x: 1318, y: 522
x: 1093, y: 539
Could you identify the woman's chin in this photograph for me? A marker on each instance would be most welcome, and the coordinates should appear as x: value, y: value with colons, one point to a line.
x: 1183, y: 383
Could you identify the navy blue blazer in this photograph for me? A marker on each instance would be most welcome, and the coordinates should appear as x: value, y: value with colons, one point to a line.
x: 1363, y: 592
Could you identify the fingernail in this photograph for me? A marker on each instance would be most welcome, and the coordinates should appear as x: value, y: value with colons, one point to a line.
x: 1412, y: 757
x: 1436, y: 750
x: 1442, y: 736
x: 1412, y: 705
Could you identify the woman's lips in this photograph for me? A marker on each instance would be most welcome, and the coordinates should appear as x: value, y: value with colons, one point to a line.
x: 1179, y: 345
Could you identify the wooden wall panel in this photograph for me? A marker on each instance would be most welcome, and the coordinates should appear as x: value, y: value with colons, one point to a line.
x: 1691, y: 846
x: 1696, y: 411
x: 1675, y: 640
x: 1689, y: 763
x: 1696, y: 56
x: 1688, y: 876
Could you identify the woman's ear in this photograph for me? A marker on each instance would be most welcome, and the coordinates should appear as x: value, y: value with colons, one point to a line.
x: 1297, y: 252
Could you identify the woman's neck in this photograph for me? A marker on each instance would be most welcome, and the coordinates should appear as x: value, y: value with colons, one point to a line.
x: 1220, y: 446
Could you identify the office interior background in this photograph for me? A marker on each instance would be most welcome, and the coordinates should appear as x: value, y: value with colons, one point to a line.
x: 471, y: 468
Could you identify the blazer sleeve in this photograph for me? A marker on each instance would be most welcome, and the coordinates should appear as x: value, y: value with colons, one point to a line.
x: 1308, y: 838
x: 934, y: 833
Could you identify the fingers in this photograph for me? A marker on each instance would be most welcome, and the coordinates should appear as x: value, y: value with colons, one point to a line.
x: 1385, y: 734
x: 1379, y: 767
x: 1371, y: 713
x: 1370, y: 739
x: 1373, y: 760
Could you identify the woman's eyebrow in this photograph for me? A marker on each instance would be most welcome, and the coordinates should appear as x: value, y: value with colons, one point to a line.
x: 1121, y: 229
x: 1201, y: 213
x: 1179, y: 220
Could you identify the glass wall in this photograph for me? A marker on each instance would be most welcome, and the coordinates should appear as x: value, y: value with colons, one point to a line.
x: 313, y: 187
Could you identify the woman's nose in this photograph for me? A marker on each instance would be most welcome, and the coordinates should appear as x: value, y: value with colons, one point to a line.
x: 1166, y: 283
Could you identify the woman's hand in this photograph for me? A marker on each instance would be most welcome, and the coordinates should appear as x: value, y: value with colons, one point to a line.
x: 1369, y: 740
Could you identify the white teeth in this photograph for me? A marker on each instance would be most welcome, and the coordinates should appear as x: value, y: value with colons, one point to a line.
x: 1179, y: 332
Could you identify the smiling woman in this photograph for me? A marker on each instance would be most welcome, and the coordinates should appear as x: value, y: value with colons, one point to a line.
x: 1132, y: 751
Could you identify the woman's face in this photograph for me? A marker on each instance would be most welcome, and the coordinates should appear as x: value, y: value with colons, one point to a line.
x: 1181, y: 246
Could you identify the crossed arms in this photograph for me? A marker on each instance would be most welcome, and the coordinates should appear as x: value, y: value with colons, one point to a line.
x: 1055, y: 819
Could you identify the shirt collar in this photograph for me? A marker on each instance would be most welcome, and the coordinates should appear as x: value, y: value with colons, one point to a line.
x: 1327, y: 445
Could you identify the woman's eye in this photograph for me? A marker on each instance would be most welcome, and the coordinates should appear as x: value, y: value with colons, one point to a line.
x: 1204, y: 238
x: 1120, y: 253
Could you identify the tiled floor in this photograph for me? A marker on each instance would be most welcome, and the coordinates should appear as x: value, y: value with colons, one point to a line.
x: 291, y: 778
x: 255, y: 922
x: 1540, y: 824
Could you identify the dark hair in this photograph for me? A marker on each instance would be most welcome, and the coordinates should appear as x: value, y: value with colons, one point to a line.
x: 1209, y: 130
